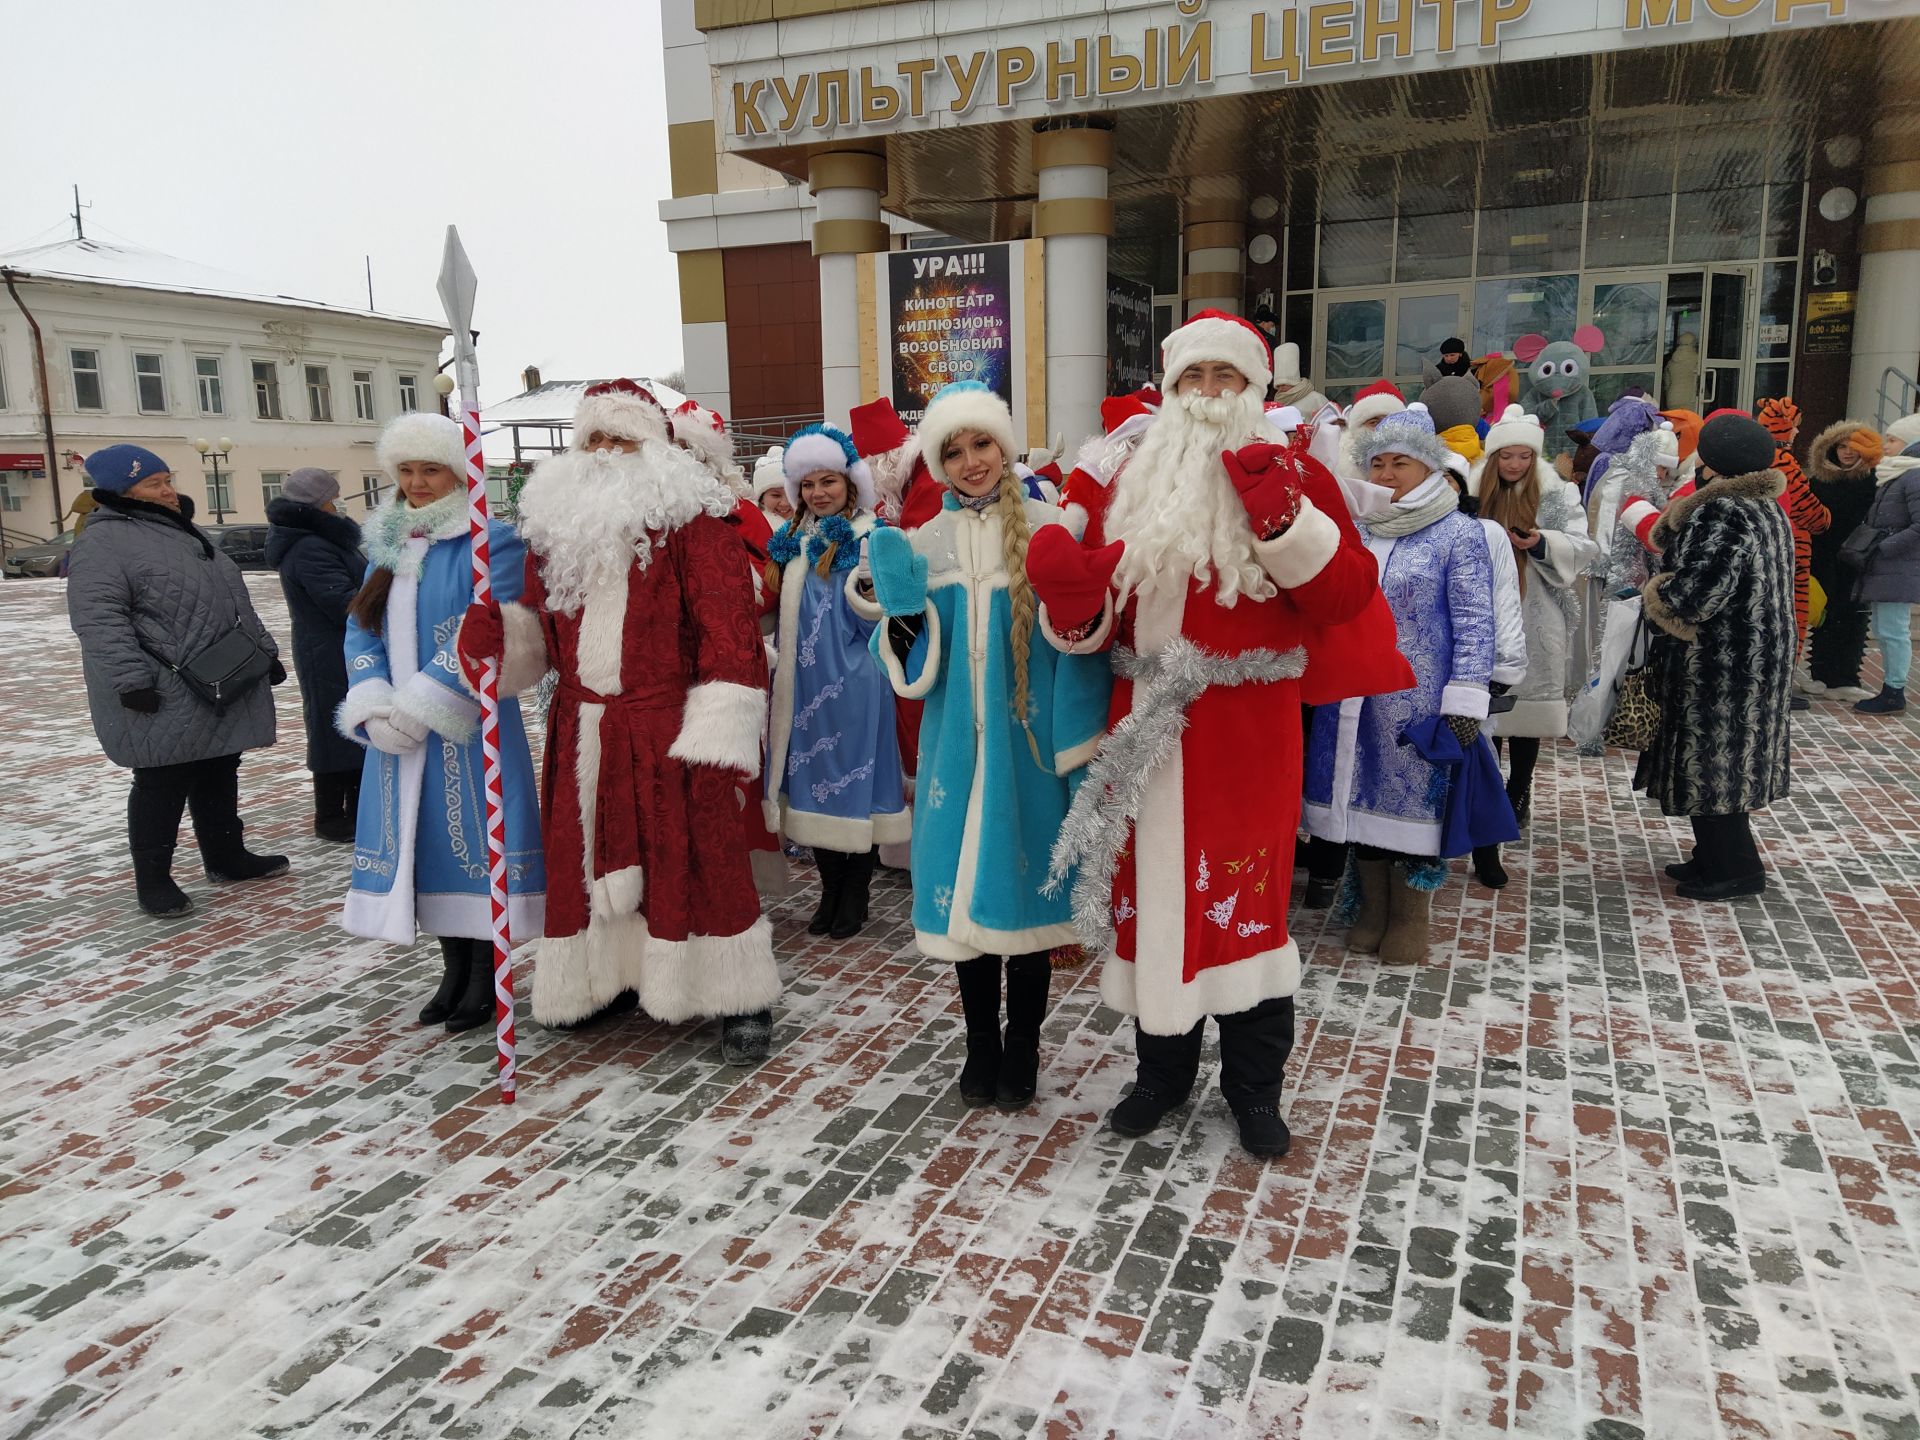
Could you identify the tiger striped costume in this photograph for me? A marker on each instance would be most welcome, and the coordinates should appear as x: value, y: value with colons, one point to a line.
x: 1805, y: 513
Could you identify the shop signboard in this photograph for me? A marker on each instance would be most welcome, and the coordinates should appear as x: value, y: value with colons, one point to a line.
x: 1129, y: 335
x: 1829, y: 329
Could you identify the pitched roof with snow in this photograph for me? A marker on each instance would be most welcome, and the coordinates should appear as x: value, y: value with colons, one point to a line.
x: 101, y: 263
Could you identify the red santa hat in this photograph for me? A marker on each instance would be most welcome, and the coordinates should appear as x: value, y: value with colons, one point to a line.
x: 877, y: 428
x: 622, y: 409
x: 1116, y: 410
x: 1218, y: 336
x: 1377, y: 400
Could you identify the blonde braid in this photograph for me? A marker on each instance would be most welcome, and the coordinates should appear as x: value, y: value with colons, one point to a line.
x: 1020, y: 602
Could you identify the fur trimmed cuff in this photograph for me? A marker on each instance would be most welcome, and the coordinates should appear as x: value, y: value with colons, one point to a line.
x: 1296, y: 557
x: 1660, y: 613
x: 1095, y: 640
x: 1469, y: 701
x: 896, y: 665
x: 526, y: 663
x: 866, y: 607
x: 363, y: 702
x: 452, y: 715
x: 1637, y: 517
x: 722, y: 725
x: 708, y: 975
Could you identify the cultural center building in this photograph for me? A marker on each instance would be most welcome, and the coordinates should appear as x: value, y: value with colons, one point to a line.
x: 1720, y: 198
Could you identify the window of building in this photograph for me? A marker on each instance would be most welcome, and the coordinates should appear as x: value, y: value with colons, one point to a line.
x: 271, y: 484
x: 370, y: 489
x: 149, y: 384
x: 220, y: 494
x: 213, y: 393
x: 266, y: 389
x: 409, y: 393
x: 13, y: 490
x: 319, y: 393
x: 363, y: 395
x: 88, y: 393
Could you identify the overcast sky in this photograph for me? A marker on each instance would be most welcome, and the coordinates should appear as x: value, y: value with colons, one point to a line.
x: 287, y: 142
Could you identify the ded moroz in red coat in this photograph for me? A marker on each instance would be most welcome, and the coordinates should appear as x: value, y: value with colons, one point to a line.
x: 1200, y: 894
x: 657, y: 718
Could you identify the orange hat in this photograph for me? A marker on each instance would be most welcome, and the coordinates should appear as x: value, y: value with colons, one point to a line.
x: 1686, y: 428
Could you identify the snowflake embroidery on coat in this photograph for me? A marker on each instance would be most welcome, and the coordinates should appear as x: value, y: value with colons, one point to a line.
x: 1248, y: 928
x: 1221, y: 911
x: 936, y: 793
x: 823, y: 788
x: 812, y: 707
x: 1124, y: 911
x: 1205, y: 876
x: 943, y: 898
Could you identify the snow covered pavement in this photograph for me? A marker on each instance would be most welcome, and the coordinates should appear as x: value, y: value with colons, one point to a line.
x: 1618, y: 1166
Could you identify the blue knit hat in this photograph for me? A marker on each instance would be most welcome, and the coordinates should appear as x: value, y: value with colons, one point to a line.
x: 118, y: 468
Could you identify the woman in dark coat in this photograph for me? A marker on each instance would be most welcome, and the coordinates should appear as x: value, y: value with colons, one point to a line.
x: 146, y: 592
x: 1890, y: 584
x: 317, y: 553
x: 1840, y: 465
x: 1723, y: 662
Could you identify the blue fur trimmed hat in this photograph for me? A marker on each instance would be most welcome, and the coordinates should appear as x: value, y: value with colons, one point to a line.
x: 826, y: 447
x: 116, y: 469
x: 1405, y: 432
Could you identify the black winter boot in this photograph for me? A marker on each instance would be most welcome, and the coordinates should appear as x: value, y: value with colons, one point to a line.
x: 745, y: 1039
x: 153, y: 884
x: 1888, y: 702
x: 1028, y: 979
x: 1164, y: 1078
x: 1487, y: 868
x: 228, y: 860
x: 335, y: 793
x: 455, y: 960
x: 850, y: 909
x: 476, y: 1000
x: 833, y: 866
x: 980, y: 1003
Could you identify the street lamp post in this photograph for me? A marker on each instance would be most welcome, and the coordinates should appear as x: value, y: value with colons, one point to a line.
x: 213, y: 454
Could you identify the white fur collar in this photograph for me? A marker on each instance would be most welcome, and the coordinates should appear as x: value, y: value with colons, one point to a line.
x: 395, y: 522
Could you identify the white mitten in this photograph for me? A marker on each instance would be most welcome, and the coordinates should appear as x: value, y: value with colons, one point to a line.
x: 382, y: 734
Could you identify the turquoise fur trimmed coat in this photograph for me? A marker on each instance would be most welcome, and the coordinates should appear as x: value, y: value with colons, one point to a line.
x: 986, y: 815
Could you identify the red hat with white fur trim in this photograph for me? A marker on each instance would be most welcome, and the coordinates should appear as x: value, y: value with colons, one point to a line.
x: 620, y: 409
x: 703, y: 432
x: 1215, y: 335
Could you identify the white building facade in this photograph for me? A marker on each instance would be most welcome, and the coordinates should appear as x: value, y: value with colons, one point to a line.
x: 145, y: 349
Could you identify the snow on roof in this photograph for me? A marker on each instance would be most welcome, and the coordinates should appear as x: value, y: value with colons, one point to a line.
x: 137, y: 268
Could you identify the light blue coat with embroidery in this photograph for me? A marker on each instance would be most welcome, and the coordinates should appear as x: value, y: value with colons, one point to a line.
x: 420, y: 845
x: 985, y: 814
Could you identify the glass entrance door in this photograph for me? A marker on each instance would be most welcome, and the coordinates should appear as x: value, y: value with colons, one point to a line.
x: 1726, y: 369
x: 1627, y: 309
x: 1392, y: 334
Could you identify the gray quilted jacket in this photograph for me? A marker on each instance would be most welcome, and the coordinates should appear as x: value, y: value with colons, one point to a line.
x: 140, y: 578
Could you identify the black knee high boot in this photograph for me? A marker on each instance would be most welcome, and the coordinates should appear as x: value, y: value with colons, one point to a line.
x: 850, y: 910
x: 980, y: 1003
x: 214, y: 804
x: 476, y: 1000
x: 832, y: 871
x: 1028, y: 979
x: 454, y: 961
x: 335, y: 798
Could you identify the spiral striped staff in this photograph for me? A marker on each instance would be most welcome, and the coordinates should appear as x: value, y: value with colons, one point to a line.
x: 457, y: 286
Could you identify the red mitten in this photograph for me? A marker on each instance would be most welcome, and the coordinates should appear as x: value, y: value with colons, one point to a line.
x: 1268, y: 479
x: 1071, y: 580
x: 483, y: 637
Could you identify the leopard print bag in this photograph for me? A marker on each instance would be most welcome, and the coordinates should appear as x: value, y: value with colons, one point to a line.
x: 1635, y: 722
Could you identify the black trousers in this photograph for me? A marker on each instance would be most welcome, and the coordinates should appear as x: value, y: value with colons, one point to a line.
x: 1326, y: 859
x: 1526, y: 755
x: 1724, y: 846
x: 1840, y: 644
x: 1254, y: 1046
x: 210, y: 789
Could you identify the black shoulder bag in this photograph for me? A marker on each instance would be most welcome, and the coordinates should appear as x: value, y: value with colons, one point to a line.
x: 223, y: 672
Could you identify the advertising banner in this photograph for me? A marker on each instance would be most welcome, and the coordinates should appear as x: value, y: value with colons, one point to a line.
x: 1130, y: 354
x: 950, y: 314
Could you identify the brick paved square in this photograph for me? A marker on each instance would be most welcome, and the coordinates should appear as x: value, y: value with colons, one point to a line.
x: 1613, y: 1166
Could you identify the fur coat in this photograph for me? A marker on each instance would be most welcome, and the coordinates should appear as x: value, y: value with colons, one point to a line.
x: 1723, y: 598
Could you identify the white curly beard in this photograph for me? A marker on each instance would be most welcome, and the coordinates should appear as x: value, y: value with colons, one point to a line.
x: 587, y: 514
x: 1177, y: 510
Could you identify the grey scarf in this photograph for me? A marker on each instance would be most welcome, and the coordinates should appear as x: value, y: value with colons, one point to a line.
x: 1396, y: 521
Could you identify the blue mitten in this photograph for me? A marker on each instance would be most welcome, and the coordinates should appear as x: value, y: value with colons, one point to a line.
x: 899, y: 575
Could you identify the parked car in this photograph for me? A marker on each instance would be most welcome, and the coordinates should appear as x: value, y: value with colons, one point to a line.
x: 37, y: 561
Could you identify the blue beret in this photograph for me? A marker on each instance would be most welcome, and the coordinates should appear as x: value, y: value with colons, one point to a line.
x: 118, y: 468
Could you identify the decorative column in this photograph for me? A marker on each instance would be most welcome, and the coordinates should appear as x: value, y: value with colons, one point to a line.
x: 847, y: 186
x: 1213, y: 240
x: 1887, y: 311
x: 1075, y: 218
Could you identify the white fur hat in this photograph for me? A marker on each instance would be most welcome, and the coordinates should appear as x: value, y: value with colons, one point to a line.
x: 704, y: 433
x: 1906, y: 430
x: 1286, y: 364
x: 1666, y: 452
x: 1514, y: 427
x: 825, y: 447
x: 1216, y: 335
x: 423, y: 435
x: 1406, y: 432
x: 621, y: 409
x: 963, y: 405
x: 767, y: 474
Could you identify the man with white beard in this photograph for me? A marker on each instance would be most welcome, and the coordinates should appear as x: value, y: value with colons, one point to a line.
x: 1234, y: 587
x: 636, y: 594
